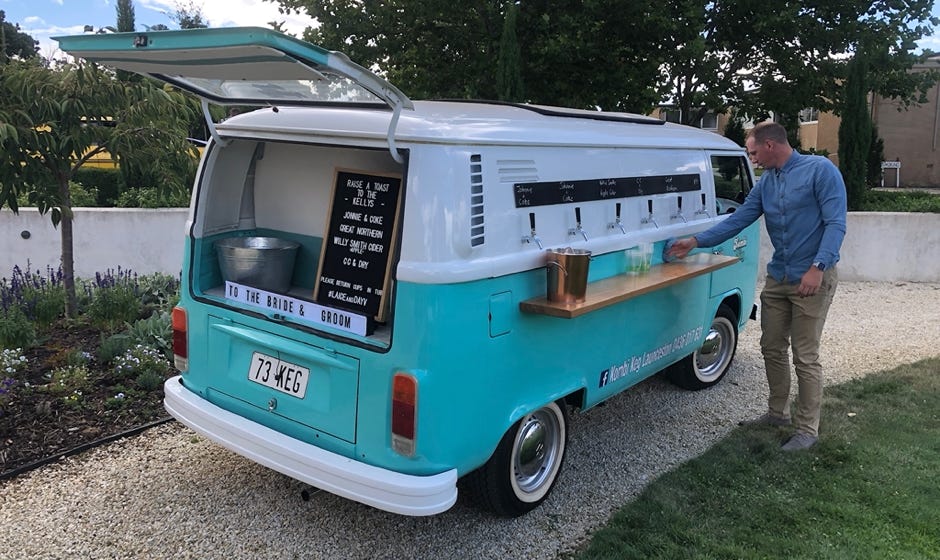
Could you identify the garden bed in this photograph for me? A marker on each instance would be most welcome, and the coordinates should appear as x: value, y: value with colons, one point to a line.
x: 71, y: 382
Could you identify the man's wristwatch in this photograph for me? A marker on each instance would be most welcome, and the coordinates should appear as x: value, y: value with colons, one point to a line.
x: 819, y: 265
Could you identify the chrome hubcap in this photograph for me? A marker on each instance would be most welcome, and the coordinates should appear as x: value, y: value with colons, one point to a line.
x: 537, y: 446
x: 715, y: 353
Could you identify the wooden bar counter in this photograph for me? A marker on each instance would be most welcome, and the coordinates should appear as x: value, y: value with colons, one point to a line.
x: 622, y: 287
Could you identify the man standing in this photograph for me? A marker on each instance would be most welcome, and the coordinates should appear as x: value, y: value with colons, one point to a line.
x: 803, y: 201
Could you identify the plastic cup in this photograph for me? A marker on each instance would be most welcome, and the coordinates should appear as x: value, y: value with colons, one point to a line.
x: 639, y: 258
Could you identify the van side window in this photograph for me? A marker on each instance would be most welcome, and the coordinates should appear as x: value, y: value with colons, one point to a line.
x: 732, y: 182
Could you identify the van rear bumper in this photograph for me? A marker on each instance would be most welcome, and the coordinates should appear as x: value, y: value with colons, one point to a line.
x: 380, y: 488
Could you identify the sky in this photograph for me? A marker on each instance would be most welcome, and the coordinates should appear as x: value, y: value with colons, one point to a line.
x: 43, y: 19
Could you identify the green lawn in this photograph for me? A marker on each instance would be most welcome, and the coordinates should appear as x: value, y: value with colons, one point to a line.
x: 869, y: 489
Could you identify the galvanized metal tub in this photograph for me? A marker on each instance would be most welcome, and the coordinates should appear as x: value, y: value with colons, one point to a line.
x: 266, y: 263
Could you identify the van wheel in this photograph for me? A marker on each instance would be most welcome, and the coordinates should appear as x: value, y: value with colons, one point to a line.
x: 712, y: 360
x: 525, y: 465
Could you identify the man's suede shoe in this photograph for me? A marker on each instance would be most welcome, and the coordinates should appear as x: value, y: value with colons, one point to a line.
x: 766, y: 419
x: 799, y: 442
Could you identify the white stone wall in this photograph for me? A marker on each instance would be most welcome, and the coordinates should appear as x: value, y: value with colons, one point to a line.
x: 884, y: 247
x: 142, y: 240
x: 879, y: 247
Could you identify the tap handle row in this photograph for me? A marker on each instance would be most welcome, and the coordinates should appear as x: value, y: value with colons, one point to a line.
x: 618, y: 207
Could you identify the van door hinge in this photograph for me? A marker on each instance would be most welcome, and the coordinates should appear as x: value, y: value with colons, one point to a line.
x: 211, y: 125
x: 392, y: 125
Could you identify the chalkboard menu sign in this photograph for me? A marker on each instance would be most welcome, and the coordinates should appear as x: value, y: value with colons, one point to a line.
x: 354, y: 262
x: 586, y: 190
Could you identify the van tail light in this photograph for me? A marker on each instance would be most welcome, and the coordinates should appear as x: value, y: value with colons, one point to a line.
x: 404, y: 413
x: 180, y: 340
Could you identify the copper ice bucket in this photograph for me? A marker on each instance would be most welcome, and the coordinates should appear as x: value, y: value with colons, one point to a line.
x: 567, y: 271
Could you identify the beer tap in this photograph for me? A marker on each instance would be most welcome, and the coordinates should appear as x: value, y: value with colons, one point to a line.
x: 702, y: 210
x: 649, y: 217
x: 578, y: 229
x: 617, y: 223
x: 678, y: 213
x: 532, y: 237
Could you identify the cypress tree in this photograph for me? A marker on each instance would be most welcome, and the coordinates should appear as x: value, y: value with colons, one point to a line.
x: 125, y: 22
x: 791, y: 122
x: 876, y: 155
x: 125, y: 15
x: 855, y: 131
x: 734, y: 130
x: 508, y: 70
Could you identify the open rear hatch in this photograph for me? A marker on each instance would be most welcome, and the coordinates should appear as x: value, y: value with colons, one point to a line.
x: 243, y: 66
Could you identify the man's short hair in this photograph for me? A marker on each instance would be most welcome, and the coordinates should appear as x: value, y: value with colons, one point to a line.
x: 769, y: 131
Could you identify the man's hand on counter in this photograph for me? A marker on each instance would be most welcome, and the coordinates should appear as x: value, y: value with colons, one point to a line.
x: 681, y: 247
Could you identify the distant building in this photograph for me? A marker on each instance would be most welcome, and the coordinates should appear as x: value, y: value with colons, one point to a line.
x: 911, y: 137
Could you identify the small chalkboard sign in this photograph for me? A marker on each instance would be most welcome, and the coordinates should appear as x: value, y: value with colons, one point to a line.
x: 355, y: 260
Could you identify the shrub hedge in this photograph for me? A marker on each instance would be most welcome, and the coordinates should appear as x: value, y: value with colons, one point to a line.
x: 900, y: 201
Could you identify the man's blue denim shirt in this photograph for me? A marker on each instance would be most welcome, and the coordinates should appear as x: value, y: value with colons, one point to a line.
x: 804, y: 205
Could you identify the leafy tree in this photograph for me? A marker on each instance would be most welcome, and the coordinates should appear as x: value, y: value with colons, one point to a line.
x: 189, y: 16
x: 787, y: 52
x: 15, y: 43
x: 586, y: 53
x: 855, y: 131
x: 593, y: 53
x: 795, y: 62
x: 623, y: 55
x: 703, y: 71
x: 53, y: 120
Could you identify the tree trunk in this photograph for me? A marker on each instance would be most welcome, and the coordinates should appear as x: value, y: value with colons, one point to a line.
x: 68, y: 259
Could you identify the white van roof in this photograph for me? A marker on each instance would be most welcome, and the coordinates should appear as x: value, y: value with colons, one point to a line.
x: 459, y: 122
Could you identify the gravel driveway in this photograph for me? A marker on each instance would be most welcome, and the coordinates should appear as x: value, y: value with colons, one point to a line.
x: 170, y: 494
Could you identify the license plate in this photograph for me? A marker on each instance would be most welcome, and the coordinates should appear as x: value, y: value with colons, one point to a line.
x: 278, y: 374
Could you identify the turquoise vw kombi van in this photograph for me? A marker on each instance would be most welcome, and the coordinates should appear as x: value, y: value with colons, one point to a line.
x: 368, y: 304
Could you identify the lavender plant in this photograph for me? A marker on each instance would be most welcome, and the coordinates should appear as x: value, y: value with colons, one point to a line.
x: 41, y: 297
x: 115, y: 299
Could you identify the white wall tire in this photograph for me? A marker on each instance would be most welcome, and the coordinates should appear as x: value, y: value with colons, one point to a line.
x: 711, y: 361
x: 523, y: 469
